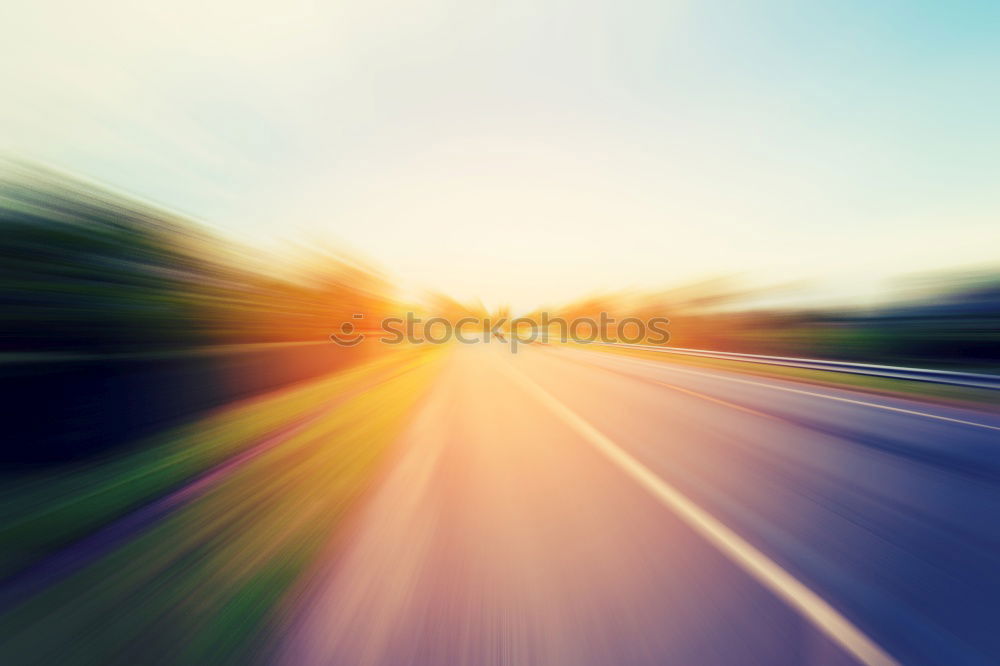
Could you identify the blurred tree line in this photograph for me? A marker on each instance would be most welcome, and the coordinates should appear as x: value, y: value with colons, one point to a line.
x: 944, y: 320
x: 119, y: 319
x: 82, y: 268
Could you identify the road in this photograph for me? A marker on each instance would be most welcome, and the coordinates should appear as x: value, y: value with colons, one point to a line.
x: 559, y: 506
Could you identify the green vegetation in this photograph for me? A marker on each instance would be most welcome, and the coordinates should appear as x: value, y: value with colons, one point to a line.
x: 201, y: 585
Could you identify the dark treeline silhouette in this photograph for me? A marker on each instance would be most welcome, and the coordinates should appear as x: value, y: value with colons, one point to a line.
x: 119, y: 318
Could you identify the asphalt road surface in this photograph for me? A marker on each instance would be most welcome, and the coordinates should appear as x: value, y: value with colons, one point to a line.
x: 558, y: 506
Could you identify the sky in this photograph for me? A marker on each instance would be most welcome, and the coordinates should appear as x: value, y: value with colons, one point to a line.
x: 530, y: 152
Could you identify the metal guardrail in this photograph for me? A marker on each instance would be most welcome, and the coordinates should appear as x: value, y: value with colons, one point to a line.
x: 968, y: 379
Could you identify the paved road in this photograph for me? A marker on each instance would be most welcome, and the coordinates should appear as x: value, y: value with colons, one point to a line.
x: 573, y: 507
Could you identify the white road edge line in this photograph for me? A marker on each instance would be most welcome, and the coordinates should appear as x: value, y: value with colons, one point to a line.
x: 813, y: 607
x: 911, y: 412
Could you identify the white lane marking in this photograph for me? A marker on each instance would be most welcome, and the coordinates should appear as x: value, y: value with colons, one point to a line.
x: 911, y: 412
x: 813, y: 607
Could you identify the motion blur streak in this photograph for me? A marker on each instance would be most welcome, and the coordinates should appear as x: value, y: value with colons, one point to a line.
x: 767, y: 572
x: 866, y: 403
x: 200, y: 575
x: 500, y: 535
x: 196, y: 474
x: 726, y: 272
